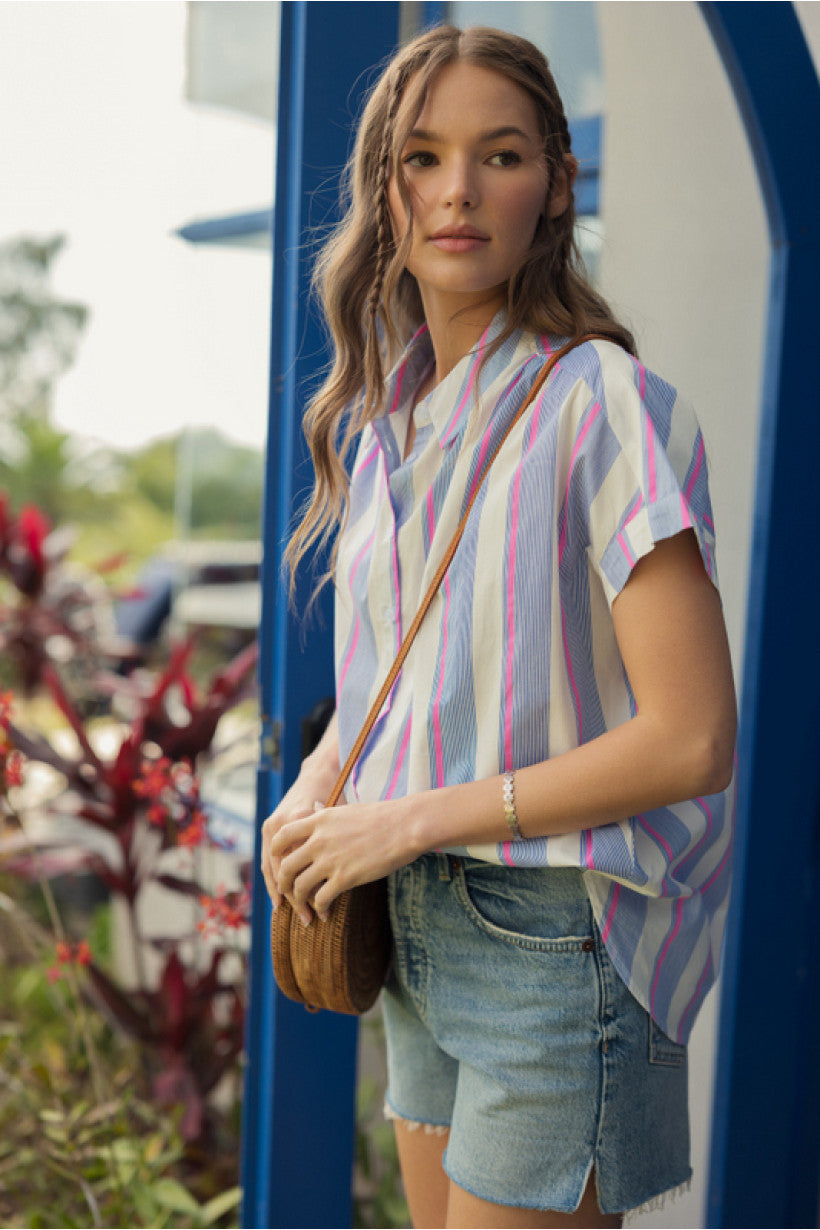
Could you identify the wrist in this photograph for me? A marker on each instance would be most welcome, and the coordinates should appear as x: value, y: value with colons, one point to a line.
x: 425, y: 822
x: 321, y: 769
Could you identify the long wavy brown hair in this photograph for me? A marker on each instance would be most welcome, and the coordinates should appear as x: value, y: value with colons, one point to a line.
x: 372, y: 304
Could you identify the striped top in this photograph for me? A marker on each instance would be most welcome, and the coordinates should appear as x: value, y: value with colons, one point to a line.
x: 516, y: 660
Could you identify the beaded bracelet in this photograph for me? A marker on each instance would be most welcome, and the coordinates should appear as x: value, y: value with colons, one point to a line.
x: 509, y: 806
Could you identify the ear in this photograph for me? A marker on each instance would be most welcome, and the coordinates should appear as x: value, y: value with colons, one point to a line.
x: 561, y: 187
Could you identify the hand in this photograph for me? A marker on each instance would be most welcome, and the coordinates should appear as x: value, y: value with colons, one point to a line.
x: 314, y: 856
x: 301, y: 800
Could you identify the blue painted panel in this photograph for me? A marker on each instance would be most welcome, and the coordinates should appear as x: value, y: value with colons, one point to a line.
x: 231, y: 227
x: 766, y: 1131
x: 298, y: 1121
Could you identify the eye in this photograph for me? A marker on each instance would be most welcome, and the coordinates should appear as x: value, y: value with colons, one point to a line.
x: 419, y: 158
x: 505, y: 158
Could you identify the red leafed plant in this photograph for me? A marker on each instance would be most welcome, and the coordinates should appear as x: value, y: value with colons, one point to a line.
x: 179, y: 992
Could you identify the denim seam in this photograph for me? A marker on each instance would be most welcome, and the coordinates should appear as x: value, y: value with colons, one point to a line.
x: 663, y: 1051
x: 529, y: 943
x: 604, y: 1038
x: 419, y: 990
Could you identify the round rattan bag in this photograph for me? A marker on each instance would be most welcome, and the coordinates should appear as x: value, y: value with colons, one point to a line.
x: 341, y: 963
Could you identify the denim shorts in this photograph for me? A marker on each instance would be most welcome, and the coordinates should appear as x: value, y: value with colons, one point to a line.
x: 506, y: 1021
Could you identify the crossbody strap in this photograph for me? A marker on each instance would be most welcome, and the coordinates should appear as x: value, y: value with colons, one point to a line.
x: 441, y: 571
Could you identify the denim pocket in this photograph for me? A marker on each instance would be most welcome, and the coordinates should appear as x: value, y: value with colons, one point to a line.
x: 540, y: 910
x: 662, y: 1050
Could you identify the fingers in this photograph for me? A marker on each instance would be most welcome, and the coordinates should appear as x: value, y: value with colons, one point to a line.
x: 286, y: 860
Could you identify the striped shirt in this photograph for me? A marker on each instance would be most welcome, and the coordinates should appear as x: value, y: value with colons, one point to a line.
x: 517, y: 660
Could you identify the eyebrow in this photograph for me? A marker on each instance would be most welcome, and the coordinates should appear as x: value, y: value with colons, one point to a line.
x: 495, y: 134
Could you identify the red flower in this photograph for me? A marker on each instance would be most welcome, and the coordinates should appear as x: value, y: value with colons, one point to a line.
x: 157, y: 815
x: 69, y: 952
x: 224, y: 912
x: 194, y: 833
x: 155, y: 778
x: 13, y: 769
x: 34, y: 528
x: 173, y: 793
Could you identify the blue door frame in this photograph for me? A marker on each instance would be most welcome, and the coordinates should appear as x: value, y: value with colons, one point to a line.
x: 298, y: 1129
x: 298, y: 1126
x: 766, y: 1121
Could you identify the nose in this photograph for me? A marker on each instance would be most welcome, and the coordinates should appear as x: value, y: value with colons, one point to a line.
x: 460, y: 186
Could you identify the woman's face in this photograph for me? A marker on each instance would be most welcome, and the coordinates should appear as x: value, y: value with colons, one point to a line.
x: 478, y: 183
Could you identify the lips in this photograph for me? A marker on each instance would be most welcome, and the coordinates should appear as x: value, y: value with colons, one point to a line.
x: 459, y: 238
x: 459, y: 232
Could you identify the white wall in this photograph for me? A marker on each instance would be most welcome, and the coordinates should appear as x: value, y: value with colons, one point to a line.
x: 685, y: 261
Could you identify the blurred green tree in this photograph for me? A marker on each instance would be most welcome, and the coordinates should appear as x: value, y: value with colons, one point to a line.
x: 194, y: 483
x: 39, y: 333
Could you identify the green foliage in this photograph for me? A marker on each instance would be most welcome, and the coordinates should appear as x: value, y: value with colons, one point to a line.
x: 378, y: 1196
x: 39, y: 333
x: 196, y: 482
x: 69, y: 1156
x: 213, y: 485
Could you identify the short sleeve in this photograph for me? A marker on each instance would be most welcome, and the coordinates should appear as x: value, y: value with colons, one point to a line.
x: 646, y: 474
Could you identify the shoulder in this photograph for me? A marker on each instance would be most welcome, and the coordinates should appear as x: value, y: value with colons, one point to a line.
x: 625, y: 390
x: 603, y: 366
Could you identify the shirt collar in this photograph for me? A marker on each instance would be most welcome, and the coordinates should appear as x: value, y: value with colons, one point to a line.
x: 449, y: 405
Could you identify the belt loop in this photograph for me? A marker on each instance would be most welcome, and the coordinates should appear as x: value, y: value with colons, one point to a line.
x: 444, y: 872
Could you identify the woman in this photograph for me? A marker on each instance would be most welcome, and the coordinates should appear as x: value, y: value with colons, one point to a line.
x: 545, y: 785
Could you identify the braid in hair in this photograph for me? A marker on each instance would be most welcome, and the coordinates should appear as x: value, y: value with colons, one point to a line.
x: 384, y: 244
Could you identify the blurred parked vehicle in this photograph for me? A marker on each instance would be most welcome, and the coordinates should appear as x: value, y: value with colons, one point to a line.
x: 211, y: 588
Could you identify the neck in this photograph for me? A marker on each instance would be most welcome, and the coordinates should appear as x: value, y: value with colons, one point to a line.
x: 455, y: 328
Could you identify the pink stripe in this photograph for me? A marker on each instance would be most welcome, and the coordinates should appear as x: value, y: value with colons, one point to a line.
x: 642, y: 380
x: 431, y: 515
x: 485, y: 443
x: 351, y: 653
x: 508, y: 690
x: 505, y: 850
x: 456, y: 415
x: 635, y: 510
x: 690, y: 486
x: 667, y: 849
x: 437, y: 701
x: 399, y: 761
x: 562, y: 541
x: 396, y: 581
x: 508, y: 683
x: 695, y: 998
x: 611, y: 913
x: 630, y: 558
x: 368, y: 459
x: 690, y: 854
x: 588, y: 848
x: 704, y: 888
x: 397, y: 392
x: 572, y: 677
x: 661, y: 959
x: 686, y: 517
x: 401, y: 372
x: 650, y: 462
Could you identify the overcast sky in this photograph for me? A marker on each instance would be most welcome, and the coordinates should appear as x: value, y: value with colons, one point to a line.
x: 100, y: 144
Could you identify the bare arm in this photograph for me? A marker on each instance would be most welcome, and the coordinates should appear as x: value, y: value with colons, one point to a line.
x: 672, y: 639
